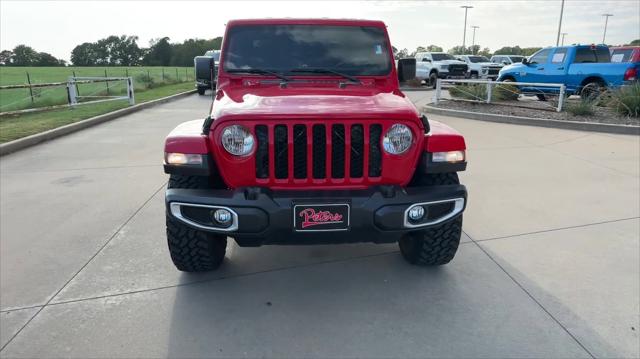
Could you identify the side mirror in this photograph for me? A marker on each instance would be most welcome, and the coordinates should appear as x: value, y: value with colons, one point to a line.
x: 525, y: 61
x: 205, y: 68
x: 406, y: 69
x: 426, y: 60
x: 505, y: 63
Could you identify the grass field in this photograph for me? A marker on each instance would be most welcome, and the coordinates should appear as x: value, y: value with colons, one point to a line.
x: 144, y: 78
x: 14, y: 127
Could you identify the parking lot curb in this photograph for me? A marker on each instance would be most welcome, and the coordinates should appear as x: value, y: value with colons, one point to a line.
x: 530, y: 121
x: 25, y: 142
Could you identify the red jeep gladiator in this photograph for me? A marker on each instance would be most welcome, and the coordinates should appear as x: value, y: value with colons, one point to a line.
x: 310, y: 141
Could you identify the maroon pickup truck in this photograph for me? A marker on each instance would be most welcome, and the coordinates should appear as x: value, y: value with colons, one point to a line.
x: 309, y: 140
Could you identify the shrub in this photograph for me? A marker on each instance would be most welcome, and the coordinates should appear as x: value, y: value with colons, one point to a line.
x: 146, y: 80
x: 504, y: 92
x: 582, y: 108
x: 477, y: 92
x: 626, y: 100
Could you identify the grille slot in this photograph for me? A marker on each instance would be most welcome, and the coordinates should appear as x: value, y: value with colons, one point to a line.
x: 262, y: 152
x: 375, y: 155
x: 337, y: 151
x: 357, y: 151
x: 281, y: 152
x: 300, y: 151
x: 319, y: 152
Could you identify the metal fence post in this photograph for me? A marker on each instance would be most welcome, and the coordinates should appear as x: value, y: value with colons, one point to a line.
x: 561, y: 98
x: 71, y: 90
x: 438, y: 90
x: 105, y: 81
x: 30, y: 88
x: 489, y: 88
x: 132, y: 100
x: 163, y: 74
x: 76, y: 84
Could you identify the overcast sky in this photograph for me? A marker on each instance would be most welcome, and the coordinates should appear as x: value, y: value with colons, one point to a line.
x: 58, y: 26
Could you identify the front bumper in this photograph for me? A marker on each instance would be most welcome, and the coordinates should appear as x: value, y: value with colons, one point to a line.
x: 448, y: 75
x: 262, y: 216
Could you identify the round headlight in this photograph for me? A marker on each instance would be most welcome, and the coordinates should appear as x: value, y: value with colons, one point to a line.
x: 237, y: 140
x: 397, y: 140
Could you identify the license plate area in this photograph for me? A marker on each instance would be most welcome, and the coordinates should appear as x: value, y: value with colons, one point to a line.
x: 321, y: 217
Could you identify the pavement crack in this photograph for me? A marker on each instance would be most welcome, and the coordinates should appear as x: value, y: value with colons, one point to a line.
x: 530, y: 296
x: 115, y: 233
x: 556, y: 229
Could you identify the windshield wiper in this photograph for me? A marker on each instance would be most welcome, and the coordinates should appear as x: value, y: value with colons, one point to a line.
x: 260, y: 71
x: 320, y: 70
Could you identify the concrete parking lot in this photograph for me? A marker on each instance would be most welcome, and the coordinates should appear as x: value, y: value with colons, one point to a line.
x: 549, y: 266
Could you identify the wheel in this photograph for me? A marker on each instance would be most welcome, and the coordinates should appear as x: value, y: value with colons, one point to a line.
x: 541, y: 97
x: 201, y: 90
x: 192, y: 250
x: 433, y: 246
x: 433, y: 79
x: 592, y: 90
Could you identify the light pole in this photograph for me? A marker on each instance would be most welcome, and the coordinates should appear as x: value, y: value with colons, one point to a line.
x: 473, y: 44
x: 560, y: 23
x: 606, y: 21
x: 563, y: 35
x: 464, y: 34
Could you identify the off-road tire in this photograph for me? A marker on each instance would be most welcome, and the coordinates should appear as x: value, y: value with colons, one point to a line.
x: 193, y: 250
x: 190, y: 182
x: 201, y: 90
x: 435, y: 179
x: 433, y: 246
x: 592, y: 90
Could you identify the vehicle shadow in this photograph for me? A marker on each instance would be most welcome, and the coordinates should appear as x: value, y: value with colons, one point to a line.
x: 373, y: 306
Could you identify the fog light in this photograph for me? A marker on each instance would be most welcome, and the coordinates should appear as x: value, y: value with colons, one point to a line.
x: 416, y: 213
x: 222, y: 217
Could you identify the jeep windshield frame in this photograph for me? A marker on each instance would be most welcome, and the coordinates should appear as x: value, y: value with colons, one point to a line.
x: 345, y: 49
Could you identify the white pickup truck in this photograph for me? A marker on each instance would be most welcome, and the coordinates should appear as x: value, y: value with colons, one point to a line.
x: 480, y: 67
x: 433, y: 65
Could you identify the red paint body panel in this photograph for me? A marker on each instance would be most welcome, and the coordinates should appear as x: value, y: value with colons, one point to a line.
x: 187, y: 138
x: 252, y: 99
x: 443, y: 138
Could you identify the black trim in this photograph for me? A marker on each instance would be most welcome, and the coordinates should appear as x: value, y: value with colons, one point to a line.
x: 428, y: 166
x: 203, y: 169
x: 425, y: 123
x: 266, y: 216
x: 206, y: 126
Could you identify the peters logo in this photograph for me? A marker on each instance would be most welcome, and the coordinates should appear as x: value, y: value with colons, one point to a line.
x: 313, y: 218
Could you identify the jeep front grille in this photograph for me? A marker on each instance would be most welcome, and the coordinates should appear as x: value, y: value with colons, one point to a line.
x: 320, y: 151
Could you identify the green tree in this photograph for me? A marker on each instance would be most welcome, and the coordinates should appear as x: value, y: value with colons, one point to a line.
x: 184, y: 53
x: 460, y: 50
x: 486, y: 52
x: 84, y: 55
x: 506, y: 50
x: 46, y: 59
x: 159, y: 53
x: 434, y: 48
x: 528, y: 51
x: 24, y: 56
x: 635, y: 42
x: 6, y: 57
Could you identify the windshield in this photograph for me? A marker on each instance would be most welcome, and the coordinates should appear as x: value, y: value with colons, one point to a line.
x: 476, y: 59
x: 516, y: 59
x: 213, y: 53
x: 351, y: 50
x: 440, y: 57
